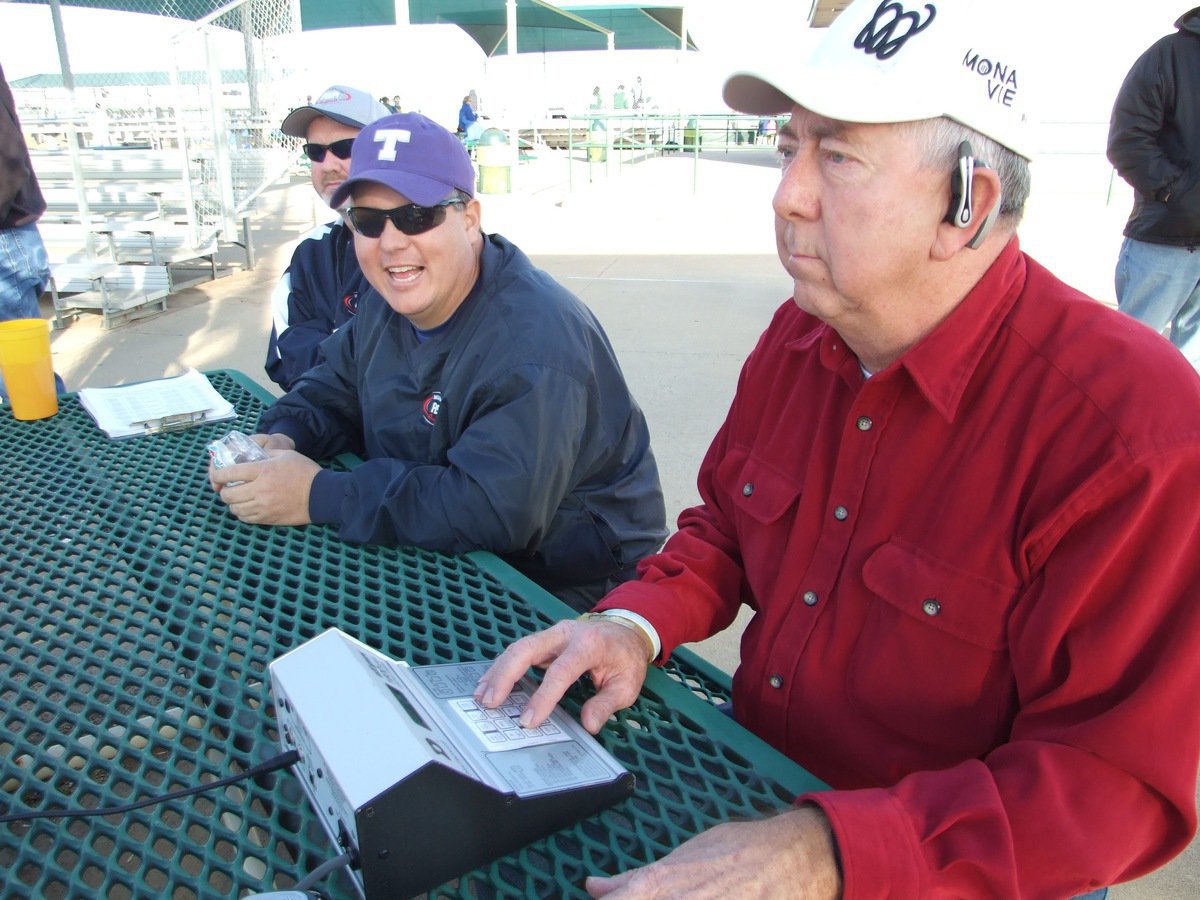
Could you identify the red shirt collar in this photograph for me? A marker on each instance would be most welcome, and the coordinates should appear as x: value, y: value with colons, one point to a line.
x: 943, y: 362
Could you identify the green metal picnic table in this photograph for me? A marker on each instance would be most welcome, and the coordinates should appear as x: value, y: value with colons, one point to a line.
x: 137, y: 623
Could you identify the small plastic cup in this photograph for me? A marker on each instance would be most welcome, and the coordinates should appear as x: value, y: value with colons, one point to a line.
x: 27, y: 368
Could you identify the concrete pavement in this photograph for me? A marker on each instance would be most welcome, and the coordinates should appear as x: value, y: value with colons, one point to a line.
x: 675, y: 256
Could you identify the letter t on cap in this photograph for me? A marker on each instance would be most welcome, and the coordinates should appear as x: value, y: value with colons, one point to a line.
x: 389, y: 137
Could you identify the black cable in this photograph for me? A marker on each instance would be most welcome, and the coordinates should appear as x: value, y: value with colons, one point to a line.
x: 322, y: 870
x: 274, y: 763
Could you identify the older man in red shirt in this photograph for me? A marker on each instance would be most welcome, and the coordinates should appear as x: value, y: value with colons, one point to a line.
x: 966, y: 529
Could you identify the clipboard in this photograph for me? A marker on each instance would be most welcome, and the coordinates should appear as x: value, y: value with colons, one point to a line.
x: 161, y: 406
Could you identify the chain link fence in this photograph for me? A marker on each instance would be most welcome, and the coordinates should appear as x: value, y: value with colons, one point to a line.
x: 229, y: 132
x: 194, y: 119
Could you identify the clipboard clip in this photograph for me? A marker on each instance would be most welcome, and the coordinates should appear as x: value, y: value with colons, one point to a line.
x: 173, y: 423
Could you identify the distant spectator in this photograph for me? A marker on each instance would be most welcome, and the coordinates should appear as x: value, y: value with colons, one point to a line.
x: 467, y: 116
x: 766, y: 130
x: 619, y: 100
x: 639, y: 95
x: 319, y: 291
x: 1154, y: 143
x: 597, y: 105
x: 24, y: 266
x: 395, y: 104
x: 387, y: 104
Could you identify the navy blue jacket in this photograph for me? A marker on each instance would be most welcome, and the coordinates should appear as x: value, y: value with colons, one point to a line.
x: 511, y: 429
x: 317, y: 294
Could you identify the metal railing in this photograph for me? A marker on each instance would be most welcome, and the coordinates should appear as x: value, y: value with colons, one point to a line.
x: 601, y: 138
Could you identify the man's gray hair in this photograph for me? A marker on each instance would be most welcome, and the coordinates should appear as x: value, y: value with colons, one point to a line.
x: 940, y: 139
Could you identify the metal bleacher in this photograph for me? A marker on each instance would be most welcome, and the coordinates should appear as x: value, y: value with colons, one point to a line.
x: 134, y: 233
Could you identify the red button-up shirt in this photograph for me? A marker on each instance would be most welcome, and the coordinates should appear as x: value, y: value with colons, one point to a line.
x: 976, y: 585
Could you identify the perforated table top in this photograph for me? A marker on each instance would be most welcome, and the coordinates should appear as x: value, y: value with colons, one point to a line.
x: 137, y: 622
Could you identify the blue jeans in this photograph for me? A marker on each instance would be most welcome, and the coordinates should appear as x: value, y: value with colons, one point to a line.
x: 1159, y: 285
x: 24, y: 272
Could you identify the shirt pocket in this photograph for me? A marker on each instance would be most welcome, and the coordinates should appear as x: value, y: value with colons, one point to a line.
x: 763, y: 502
x: 755, y: 488
x: 931, y: 661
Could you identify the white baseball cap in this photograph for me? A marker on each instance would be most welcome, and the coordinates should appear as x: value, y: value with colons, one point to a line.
x: 346, y: 105
x: 901, y: 61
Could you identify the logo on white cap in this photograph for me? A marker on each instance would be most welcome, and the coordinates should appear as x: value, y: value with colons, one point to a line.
x: 1000, y: 79
x: 890, y: 27
x: 390, y: 137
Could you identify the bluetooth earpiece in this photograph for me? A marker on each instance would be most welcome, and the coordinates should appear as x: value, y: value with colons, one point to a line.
x: 962, y: 196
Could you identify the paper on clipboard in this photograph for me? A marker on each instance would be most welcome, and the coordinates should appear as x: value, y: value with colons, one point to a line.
x: 150, y: 407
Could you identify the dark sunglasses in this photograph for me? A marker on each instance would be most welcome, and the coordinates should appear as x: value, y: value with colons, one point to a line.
x: 410, y: 218
x: 341, y: 149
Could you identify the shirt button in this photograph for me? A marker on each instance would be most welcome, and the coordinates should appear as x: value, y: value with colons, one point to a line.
x: 931, y: 607
x: 864, y: 423
x: 810, y: 598
x: 841, y: 513
x: 776, y: 681
x: 747, y: 488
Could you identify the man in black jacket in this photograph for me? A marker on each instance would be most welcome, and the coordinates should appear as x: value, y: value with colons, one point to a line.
x: 1154, y: 143
x: 485, y: 397
x: 318, y: 293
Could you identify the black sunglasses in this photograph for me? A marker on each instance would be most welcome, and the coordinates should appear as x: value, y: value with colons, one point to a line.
x: 410, y: 218
x: 341, y: 149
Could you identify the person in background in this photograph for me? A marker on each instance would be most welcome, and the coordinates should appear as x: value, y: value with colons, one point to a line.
x: 387, y: 104
x: 395, y: 104
x: 24, y: 265
x: 639, y: 93
x: 319, y: 291
x: 467, y: 116
x: 619, y: 99
x: 1154, y: 144
x: 966, y: 531
x: 485, y: 398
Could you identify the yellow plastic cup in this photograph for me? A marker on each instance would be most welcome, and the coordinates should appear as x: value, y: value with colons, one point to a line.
x: 27, y: 368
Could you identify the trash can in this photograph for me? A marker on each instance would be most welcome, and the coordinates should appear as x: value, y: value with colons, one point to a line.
x: 597, y: 142
x: 495, y: 162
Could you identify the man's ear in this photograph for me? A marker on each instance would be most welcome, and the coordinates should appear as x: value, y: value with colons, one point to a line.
x: 985, y: 200
x: 474, y: 215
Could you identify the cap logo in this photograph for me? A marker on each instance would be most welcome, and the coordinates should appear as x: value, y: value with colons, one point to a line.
x: 999, y: 78
x: 390, y: 137
x: 332, y: 95
x: 890, y: 28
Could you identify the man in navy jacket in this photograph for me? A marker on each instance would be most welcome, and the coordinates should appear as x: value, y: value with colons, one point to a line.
x: 485, y: 397
x: 319, y: 291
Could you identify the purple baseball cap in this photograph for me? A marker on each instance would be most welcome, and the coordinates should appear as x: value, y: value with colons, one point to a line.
x: 346, y: 105
x: 413, y: 156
